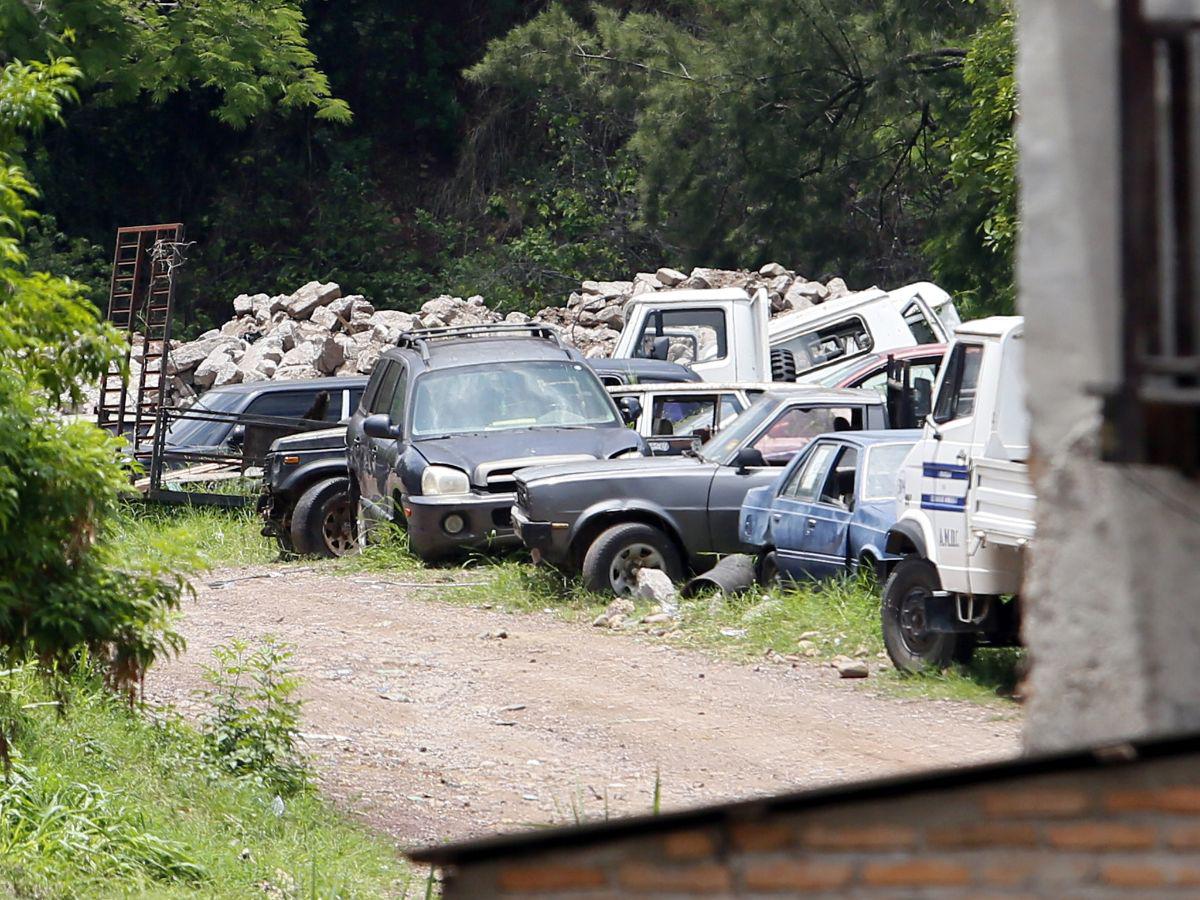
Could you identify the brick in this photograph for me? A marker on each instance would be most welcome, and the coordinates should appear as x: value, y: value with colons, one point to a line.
x: 860, y: 837
x: 1176, y: 799
x: 1132, y: 875
x: 984, y: 834
x: 760, y: 836
x: 1100, y: 836
x: 916, y: 873
x: 1006, y: 874
x: 1185, y: 838
x: 689, y: 845
x: 707, y: 878
x: 544, y: 877
x: 1049, y: 802
x: 791, y: 875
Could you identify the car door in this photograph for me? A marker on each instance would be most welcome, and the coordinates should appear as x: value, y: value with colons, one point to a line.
x: 794, y: 511
x: 677, y: 420
x: 388, y: 452
x: 827, y: 527
x: 364, y: 451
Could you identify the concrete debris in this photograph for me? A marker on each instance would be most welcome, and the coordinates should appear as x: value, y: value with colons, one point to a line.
x: 656, y: 586
x: 317, y: 331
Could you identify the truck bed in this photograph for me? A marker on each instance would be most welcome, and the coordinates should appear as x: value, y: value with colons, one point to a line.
x: 1003, y: 502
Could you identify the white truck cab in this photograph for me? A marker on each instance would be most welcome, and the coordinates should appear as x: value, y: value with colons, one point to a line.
x: 965, y: 505
x: 726, y: 335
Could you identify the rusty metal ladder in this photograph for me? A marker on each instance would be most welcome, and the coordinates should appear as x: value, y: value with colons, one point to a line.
x: 141, y: 302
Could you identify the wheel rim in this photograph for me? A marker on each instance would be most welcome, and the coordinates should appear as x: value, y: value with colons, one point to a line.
x: 917, y: 640
x: 632, y: 558
x: 337, y: 527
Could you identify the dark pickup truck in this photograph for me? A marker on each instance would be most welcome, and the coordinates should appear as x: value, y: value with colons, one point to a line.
x: 305, y: 502
x: 609, y: 519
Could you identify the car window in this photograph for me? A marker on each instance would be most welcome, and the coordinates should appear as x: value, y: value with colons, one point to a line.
x: 956, y: 397
x: 807, y: 479
x: 882, y: 470
x: 381, y: 400
x: 399, y: 393
x: 308, y: 404
x: 792, y: 431
x: 838, y: 489
x: 731, y: 408
x: 841, y: 340
x: 919, y: 324
x: 693, y: 335
x: 686, y: 415
x: 190, y: 430
x: 878, y: 381
x: 356, y: 395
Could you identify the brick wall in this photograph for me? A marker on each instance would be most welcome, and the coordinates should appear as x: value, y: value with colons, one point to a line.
x: 1124, y: 830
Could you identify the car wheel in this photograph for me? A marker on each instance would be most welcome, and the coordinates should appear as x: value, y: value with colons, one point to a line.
x: 616, y: 556
x: 911, y: 647
x: 768, y: 570
x: 324, y: 521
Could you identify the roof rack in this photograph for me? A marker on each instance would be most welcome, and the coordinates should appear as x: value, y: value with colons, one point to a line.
x: 419, y: 339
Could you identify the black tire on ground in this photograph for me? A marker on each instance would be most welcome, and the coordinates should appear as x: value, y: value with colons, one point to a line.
x: 324, y: 521
x: 611, y: 563
x: 783, y: 365
x: 909, y: 646
x: 768, y: 570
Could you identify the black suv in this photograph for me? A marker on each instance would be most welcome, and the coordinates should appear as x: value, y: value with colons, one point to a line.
x: 450, y: 415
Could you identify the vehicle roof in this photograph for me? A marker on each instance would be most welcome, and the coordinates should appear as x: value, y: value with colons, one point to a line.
x: 867, y: 438
x: 339, y: 382
x: 683, y: 295
x: 874, y: 359
x: 785, y: 388
x: 992, y: 326
x: 447, y: 353
x: 816, y: 394
x: 669, y: 372
x: 850, y: 301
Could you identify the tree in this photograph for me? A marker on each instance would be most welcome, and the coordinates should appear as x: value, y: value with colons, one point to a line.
x: 806, y: 130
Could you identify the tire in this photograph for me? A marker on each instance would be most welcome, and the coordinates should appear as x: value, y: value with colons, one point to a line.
x: 324, y: 521
x: 611, y: 562
x: 783, y: 365
x: 912, y: 650
x: 769, y: 575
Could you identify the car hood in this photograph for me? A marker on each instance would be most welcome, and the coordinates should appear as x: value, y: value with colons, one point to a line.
x: 646, y: 467
x: 527, y: 446
x: 324, y: 439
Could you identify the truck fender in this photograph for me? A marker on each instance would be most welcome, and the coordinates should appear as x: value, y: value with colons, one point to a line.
x: 298, y: 479
x: 597, y: 516
x: 910, y: 535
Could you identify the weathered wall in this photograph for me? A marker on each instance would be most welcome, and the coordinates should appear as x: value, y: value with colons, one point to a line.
x: 1112, y: 600
x: 1129, y: 830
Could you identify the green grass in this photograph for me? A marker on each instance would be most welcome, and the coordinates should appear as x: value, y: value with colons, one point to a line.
x: 203, y: 537
x: 104, y: 802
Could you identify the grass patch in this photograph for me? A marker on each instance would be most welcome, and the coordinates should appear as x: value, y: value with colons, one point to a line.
x: 103, y: 802
x: 204, y: 537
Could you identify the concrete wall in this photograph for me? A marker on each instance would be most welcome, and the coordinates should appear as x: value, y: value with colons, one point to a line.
x: 1129, y: 830
x: 1112, y: 599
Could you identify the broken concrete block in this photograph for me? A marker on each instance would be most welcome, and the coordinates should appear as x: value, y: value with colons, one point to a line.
x: 308, y: 298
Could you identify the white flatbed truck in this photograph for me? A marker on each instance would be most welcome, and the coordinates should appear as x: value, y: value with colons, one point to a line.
x: 965, y: 506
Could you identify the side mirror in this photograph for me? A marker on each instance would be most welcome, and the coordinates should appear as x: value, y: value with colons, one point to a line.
x: 237, y: 436
x: 631, y: 409
x: 748, y: 458
x: 933, y: 426
x: 660, y: 348
x: 380, y: 426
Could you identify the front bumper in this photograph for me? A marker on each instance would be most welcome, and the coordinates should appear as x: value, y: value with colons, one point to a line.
x: 485, y: 522
x: 548, y: 541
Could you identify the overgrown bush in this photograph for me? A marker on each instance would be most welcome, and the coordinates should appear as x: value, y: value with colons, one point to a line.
x: 254, y: 723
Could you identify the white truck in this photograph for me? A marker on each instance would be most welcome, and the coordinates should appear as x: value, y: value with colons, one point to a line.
x: 726, y: 335
x: 965, y: 506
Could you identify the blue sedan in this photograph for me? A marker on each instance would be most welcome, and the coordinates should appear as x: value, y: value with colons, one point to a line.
x: 828, y: 513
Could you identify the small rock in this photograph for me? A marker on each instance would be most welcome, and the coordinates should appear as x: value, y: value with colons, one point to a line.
x: 601, y: 621
x: 670, y: 277
x: 622, y: 606
x: 655, y: 585
x: 772, y: 270
x: 851, y: 668
x: 656, y: 618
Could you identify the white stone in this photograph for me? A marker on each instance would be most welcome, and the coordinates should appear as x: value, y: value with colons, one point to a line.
x: 837, y: 288
x: 517, y: 318
x: 308, y: 298
x: 206, y: 372
x: 655, y: 585
x: 367, y: 359
x: 296, y: 373
x: 670, y: 277
x: 325, y: 317
x: 388, y: 324
x: 189, y: 356
x: 772, y: 270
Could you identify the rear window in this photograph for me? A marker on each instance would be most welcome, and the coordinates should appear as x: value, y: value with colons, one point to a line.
x: 882, y: 470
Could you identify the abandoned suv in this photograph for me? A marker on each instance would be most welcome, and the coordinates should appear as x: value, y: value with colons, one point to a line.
x: 449, y: 416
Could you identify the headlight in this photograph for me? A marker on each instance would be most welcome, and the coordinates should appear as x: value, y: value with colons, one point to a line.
x: 628, y: 454
x: 444, y: 480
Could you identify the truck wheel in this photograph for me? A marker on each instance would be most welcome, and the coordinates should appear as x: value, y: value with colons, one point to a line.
x: 783, y: 365
x: 323, y: 522
x: 768, y: 570
x: 911, y: 648
x: 613, y: 560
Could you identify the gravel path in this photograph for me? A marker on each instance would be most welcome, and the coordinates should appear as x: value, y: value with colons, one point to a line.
x: 431, y: 726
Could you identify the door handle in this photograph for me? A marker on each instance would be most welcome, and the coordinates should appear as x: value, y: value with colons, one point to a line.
x: 962, y: 456
x: 775, y: 517
x: 812, y: 523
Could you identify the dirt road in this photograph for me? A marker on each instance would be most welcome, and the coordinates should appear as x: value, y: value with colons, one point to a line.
x: 425, y: 721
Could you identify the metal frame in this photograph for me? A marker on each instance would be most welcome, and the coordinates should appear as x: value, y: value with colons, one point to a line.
x: 419, y: 339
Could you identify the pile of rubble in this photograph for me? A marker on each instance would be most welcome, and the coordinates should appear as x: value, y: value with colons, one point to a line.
x: 317, y: 331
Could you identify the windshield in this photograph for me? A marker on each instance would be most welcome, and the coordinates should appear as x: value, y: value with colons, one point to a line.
x: 883, y: 467
x: 189, y: 432
x: 722, y: 447
x: 549, y: 394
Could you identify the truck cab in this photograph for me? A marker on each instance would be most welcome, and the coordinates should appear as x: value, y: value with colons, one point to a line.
x: 965, y: 505
x: 727, y: 335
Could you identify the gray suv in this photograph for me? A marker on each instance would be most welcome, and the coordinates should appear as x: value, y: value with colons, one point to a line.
x: 451, y: 414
